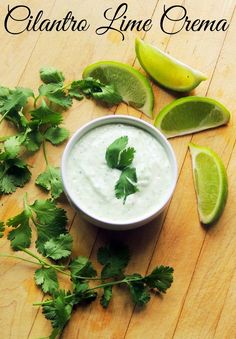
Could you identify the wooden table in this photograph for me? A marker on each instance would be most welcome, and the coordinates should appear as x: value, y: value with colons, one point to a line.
x: 202, y: 301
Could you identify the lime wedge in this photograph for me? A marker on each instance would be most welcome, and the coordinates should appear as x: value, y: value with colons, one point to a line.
x: 211, y: 184
x: 166, y: 70
x: 191, y: 114
x: 134, y: 88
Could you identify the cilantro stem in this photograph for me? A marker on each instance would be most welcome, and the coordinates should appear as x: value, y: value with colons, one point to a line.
x: 126, y: 280
x: 45, y: 153
x: 3, y: 116
x: 18, y: 257
x: 35, y: 100
x: 2, y: 139
x: 59, y: 268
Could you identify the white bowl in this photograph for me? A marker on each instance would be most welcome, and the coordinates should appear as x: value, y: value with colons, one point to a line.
x: 119, y: 119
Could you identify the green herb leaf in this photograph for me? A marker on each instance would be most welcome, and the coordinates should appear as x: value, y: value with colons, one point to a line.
x: 58, y: 311
x: 47, y: 279
x: 118, y: 156
x: 14, y: 100
x: 51, y: 75
x: 12, y: 147
x: 50, y: 223
x: 56, y: 94
x: 21, y: 235
x: 106, y: 297
x: 2, y: 229
x: 50, y: 180
x: 115, y: 258
x: 83, y: 293
x: 33, y: 140
x: 81, y: 266
x: 59, y: 247
x: 113, y: 151
x: 140, y: 294
x: 13, y: 173
x: 98, y: 91
x: 56, y: 135
x: 74, y: 91
x: 127, y: 184
x: 160, y: 278
x: 44, y: 115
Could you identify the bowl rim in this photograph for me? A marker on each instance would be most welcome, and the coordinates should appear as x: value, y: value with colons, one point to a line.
x: 132, y: 121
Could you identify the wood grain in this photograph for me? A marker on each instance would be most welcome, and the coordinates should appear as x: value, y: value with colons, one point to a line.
x: 202, y: 300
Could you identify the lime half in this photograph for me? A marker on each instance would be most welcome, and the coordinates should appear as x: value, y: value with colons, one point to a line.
x: 191, y: 114
x: 134, y: 88
x: 166, y: 70
x: 211, y: 184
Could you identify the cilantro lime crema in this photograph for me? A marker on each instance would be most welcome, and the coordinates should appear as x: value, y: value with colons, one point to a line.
x: 93, y: 182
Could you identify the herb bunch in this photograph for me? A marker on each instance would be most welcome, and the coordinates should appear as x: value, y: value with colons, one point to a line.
x: 37, y: 119
x: 113, y: 259
x: 119, y: 156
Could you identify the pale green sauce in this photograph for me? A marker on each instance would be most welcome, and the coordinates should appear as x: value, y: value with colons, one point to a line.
x: 91, y: 182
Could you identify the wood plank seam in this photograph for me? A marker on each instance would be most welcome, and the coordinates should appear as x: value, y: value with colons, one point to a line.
x: 185, y: 297
x: 180, y: 171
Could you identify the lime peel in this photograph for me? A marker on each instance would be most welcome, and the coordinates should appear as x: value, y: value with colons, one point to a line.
x: 166, y: 70
x: 210, y: 181
x: 191, y: 114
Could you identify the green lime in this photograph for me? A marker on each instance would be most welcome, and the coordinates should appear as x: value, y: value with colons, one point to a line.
x: 191, y: 114
x: 211, y: 183
x: 134, y: 88
x: 166, y: 70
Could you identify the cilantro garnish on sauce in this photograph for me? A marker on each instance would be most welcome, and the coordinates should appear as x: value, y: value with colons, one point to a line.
x: 119, y: 156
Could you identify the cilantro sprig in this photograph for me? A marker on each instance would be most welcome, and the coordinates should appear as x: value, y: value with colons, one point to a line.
x: 113, y: 257
x: 38, y: 118
x: 49, y: 220
x: 119, y: 156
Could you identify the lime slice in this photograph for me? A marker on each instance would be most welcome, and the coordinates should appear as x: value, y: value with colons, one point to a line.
x: 191, y: 114
x: 211, y: 184
x: 134, y: 88
x: 166, y: 70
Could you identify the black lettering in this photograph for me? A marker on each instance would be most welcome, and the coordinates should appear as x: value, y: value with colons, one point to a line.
x: 165, y: 16
x: 121, y: 10
x: 10, y: 17
x: 224, y: 24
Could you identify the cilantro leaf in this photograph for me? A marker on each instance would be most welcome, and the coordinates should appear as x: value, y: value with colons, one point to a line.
x: 58, y: 311
x: 59, y: 247
x: 140, y: 294
x: 14, y: 100
x: 50, y: 223
x: 33, y: 140
x: 21, y: 235
x: 2, y: 229
x: 106, y: 297
x: 50, y: 180
x: 56, y: 94
x: 47, y: 279
x: 160, y: 278
x: 117, y: 155
x: 113, y: 151
x: 114, y: 257
x: 51, y: 75
x: 56, y: 135
x: 94, y: 88
x: 13, y: 173
x: 12, y: 147
x: 44, y: 115
x: 74, y: 91
x: 127, y: 184
x: 83, y: 294
x: 81, y: 266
